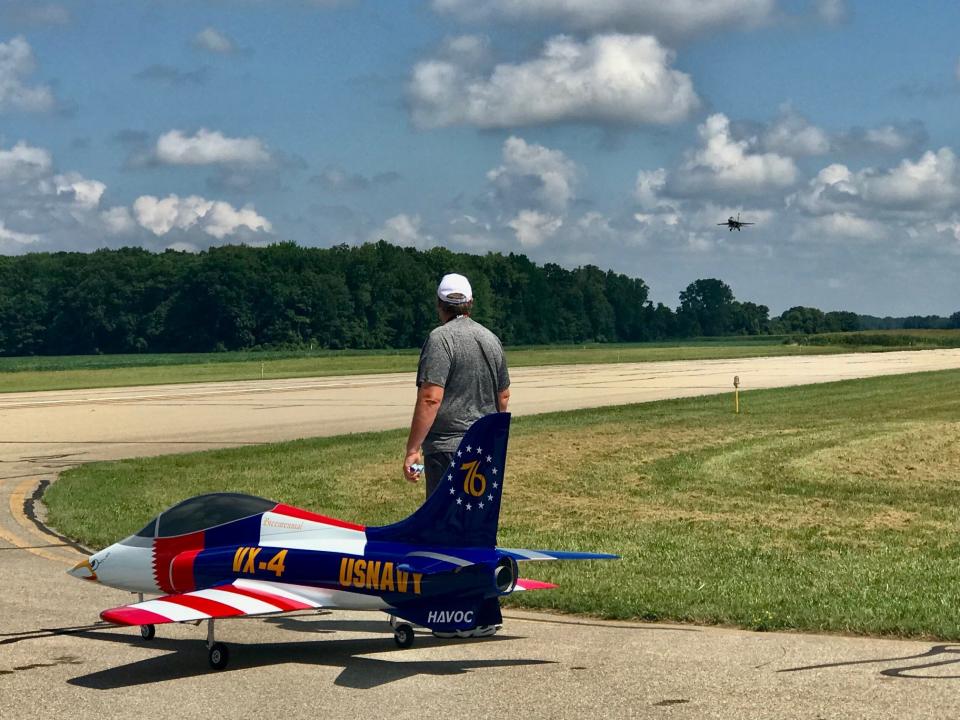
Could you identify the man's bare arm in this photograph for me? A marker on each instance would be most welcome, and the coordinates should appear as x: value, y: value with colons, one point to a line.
x: 503, y: 399
x: 429, y: 398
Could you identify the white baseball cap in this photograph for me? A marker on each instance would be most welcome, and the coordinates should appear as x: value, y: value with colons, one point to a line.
x: 454, y: 289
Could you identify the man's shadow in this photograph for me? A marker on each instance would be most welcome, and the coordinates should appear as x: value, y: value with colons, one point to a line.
x: 186, y: 658
x: 947, y: 654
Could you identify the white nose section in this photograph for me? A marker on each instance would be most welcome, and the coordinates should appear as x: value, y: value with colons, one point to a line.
x: 121, y: 566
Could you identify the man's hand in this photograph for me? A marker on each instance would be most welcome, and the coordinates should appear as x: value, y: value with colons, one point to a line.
x: 429, y: 398
x: 412, y: 458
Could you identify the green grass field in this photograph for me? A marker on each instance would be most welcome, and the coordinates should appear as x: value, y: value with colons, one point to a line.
x: 92, y: 371
x: 830, y: 507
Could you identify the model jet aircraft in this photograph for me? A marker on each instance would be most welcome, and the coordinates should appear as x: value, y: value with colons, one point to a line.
x: 229, y: 555
x: 731, y: 223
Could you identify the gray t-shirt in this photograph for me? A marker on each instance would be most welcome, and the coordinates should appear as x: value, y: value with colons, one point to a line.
x: 466, y: 360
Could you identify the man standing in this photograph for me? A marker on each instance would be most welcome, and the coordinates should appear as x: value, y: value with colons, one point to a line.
x: 462, y: 376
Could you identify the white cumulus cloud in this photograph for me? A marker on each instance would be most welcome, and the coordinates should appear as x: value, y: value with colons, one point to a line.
x: 533, y: 173
x: 223, y: 219
x: 10, y: 239
x: 726, y: 164
x: 888, y: 137
x: 532, y: 227
x: 215, y: 218
x: 833, y: 190
x: 908, y: 199
x: 24, y: 162
x: 84, y: 193
x: 44, y: 209
x: 403, y: 229
x: 118, y: 220
x: 209, y: 148
x: 618, y: 79
x: 16, y: 64
x: 951, y: 226
x: 848, y: 225
x: 932, y: 181
x: 649, y: 187
x: 792, y: 134
x: 530, y: 191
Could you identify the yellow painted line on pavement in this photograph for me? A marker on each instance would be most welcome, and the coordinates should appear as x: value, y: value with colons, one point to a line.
x: 19, y: 542
x: 17, y: 499
x: 10, y: 538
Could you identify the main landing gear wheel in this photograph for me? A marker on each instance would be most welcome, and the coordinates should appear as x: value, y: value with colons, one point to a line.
x: 219, y: 656
x: 403, y: 635
x: 147, y: 632
x: 217, y: 653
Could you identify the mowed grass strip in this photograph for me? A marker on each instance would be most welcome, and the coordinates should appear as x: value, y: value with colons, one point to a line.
x: 830, y: 507
x: 74, y: 372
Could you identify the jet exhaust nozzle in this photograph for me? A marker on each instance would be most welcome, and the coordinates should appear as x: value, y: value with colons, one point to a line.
x: 505, y: 575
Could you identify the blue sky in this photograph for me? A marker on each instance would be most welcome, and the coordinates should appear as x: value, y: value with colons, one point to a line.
x: 611, y: 132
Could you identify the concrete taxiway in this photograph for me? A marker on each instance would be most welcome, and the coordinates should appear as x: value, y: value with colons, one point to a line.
x: 55, y: 661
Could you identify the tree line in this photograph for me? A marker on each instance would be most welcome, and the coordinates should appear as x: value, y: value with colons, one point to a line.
x: 372, y: 296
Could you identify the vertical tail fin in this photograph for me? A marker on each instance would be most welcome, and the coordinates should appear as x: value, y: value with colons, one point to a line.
x: 464, y: 510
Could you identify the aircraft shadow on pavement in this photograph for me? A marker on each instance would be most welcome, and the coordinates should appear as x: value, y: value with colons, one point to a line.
x: 317, y: 623
x: 15, y: 637
x: 189, y: 659
x: 948, y: 654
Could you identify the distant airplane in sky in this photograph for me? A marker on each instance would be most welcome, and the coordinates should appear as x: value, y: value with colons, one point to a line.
x: 731, y: 223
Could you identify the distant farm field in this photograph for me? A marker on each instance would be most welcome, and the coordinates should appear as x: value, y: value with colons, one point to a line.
x: 899, y: 339
x: 92, y: 371
x: 831, y: 507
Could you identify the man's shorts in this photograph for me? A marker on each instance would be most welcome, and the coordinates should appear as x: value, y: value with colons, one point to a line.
x: 435, y: 468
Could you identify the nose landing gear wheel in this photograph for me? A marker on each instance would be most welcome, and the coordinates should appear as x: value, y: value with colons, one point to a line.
x: 219, y: 656
x: 403, y: 635
x: 148, y: 631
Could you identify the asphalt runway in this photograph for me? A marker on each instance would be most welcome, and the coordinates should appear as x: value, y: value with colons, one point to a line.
x: 56, y: 661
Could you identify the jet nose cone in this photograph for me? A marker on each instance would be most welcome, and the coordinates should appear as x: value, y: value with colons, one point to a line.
x: 83, y: 570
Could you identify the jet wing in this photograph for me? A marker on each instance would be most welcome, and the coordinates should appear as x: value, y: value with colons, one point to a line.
x: 429, y: 562
x: 521, y: 555
x: 236, y: 599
